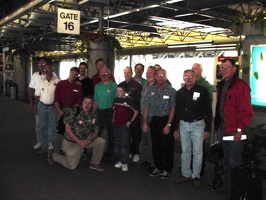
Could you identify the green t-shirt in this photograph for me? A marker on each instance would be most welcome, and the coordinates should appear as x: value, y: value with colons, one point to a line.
x: 105, y: 94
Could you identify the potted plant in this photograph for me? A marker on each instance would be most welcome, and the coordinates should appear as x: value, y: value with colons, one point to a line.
x: 96, y: 39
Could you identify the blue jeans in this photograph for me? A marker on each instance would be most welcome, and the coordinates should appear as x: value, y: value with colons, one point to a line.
x: 46, y: 126
x: 39, y: 137
x: 121, y: 148
x: 192, y: 138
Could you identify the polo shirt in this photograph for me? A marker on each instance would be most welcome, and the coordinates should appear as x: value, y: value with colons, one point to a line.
x: 68, y: 94
x: 46, y: 90
x: 105, y: 94
x: 96, y: 79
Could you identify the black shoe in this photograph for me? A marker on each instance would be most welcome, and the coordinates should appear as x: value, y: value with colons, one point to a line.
x: 156, y: 172
x: 145, y: 164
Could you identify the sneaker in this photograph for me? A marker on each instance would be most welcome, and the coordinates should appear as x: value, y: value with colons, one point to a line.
x: 196, y: 182
x: 37, y: 145
x: 50, y: 156
x: 165, y: 175
x: 135, y: 158
x: 118, y: 165
x: 156, y: 172
x: 182, y: 179
x: 124, y: 167
x: 50, y: 146
x: 96, y: 167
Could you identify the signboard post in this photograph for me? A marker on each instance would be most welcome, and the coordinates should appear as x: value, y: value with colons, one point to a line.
x: 68, y: 21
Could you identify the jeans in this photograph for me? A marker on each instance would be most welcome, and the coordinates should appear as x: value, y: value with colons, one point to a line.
x: 232, y: 154
x: 192, y: 136
x: 105, y: 118
x: 46, y: 126
x: 162, y: 145
x: 39, y: 137
x: 74, y: 151
x: 121, y: 149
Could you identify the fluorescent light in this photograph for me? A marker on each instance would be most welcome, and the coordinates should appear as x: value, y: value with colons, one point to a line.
x: 214, y: 48
x: 206, y: 43
x: 173, y: 1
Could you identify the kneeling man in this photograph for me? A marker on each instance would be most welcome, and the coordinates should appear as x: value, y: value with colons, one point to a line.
x: 81, y: 132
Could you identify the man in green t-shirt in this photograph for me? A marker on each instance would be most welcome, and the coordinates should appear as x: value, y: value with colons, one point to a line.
x: 104, y: 95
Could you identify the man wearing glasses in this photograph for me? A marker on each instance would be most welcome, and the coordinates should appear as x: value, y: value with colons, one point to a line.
x: 233, y: 114
x: 193, y: 116
x: 104, y: 95
x: 160, y: 104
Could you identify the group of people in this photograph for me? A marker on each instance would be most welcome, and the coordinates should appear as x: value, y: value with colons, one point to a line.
x: 142, y: 117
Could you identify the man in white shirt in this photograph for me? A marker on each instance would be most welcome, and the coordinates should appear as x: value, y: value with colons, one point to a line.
x: 46, y: 110
x: 35, y: 80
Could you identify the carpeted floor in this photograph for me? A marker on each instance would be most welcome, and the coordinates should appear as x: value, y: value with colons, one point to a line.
x: 25, y: 175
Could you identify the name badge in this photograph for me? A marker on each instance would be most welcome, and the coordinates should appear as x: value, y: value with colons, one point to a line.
x: 165, y: 97
x: 196, y: 95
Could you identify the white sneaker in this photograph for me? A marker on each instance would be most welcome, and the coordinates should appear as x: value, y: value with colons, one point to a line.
x: 135, y: 158
x: 124, y: 167
x: 118, y: 165
x: 50, y: 146
x: 37, y: 145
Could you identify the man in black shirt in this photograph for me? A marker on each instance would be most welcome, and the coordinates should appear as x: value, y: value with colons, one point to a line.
x: 194, y: 116
x: 86, y: 82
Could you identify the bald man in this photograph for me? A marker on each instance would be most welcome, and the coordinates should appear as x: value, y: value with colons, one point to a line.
x: 197, y: 68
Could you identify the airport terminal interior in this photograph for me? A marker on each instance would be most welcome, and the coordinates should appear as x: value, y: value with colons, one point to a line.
x: 172, y: 33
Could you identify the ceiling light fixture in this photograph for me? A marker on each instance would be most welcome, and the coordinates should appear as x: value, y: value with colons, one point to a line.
x: 190, y: 44
x: 214, y: 48
x: 173, y: 1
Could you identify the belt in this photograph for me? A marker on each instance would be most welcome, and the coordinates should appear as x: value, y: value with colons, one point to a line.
x: 70, y: 140
x: 47, y: 104
x: 192, y: 120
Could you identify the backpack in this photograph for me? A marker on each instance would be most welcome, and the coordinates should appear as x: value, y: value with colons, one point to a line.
x: 60, y: 125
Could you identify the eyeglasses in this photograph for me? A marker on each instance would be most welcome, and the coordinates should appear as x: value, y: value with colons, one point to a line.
x: 160, y: 75
x: 187, y: 77
x: 103, y: 74
x: 224, y: 68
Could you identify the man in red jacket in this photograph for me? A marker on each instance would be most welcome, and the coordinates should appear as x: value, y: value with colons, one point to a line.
x: 233, y: 114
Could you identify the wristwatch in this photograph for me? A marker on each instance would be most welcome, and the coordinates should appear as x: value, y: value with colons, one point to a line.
x: 239, y: 130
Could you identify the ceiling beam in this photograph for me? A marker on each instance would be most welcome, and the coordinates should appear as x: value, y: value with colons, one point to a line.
x: 22, y: 11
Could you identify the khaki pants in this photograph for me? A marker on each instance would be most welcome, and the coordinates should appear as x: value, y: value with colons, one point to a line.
x: 74, y: 151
